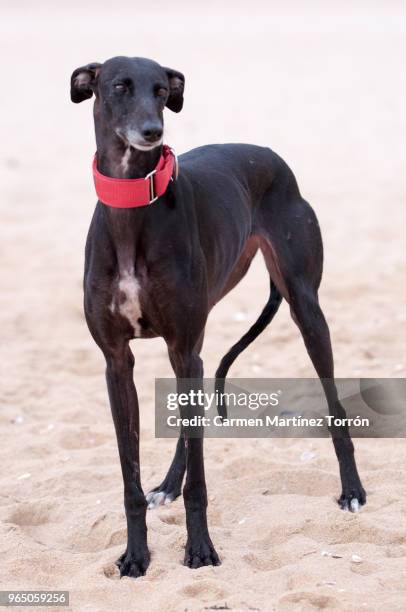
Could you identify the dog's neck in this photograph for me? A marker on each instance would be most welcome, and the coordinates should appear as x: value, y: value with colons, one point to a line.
x: 117, y: 159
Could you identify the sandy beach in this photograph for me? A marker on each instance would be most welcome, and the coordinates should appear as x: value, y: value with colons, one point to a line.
x: 325, y: 88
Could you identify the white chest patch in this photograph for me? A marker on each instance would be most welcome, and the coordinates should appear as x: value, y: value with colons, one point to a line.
x: 126, y: 301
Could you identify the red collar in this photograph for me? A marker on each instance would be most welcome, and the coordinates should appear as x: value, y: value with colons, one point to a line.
x: 131, y: 193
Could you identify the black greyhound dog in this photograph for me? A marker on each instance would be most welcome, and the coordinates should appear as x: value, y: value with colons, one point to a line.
x: 158, y: 269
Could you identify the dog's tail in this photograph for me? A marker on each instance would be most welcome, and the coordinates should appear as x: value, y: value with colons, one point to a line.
x: 264, y: 319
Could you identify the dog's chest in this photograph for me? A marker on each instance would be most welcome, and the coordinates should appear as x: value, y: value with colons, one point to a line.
x: 126, y: 299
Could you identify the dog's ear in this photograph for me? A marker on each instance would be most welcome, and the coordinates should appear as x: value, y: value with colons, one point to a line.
x: 176, y: 87
x: 83, y: 82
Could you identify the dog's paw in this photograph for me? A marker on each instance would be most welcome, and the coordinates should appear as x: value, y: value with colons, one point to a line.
x: 352, y: 499
x: 201, y: 553
x: 133, y: 564
x: 161, y: 496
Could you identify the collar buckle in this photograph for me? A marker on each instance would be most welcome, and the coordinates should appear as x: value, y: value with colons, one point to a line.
x: 175, y: 172
x: 152, y: 194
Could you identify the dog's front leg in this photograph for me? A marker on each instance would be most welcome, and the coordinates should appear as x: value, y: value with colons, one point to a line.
x: 199, y: 547
x: 124, y: 408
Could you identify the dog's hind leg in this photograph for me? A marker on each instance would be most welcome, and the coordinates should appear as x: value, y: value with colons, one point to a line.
x: 292, y: 248
x: 171, y: 486
x: 307, y: 314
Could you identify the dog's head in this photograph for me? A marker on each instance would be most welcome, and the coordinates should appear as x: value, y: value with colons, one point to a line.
x: 130, y: 96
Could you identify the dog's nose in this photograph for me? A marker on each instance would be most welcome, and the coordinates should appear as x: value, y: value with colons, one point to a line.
x: 152, y: 132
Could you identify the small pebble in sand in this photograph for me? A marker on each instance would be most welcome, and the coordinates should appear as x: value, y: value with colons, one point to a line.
x: 356, y: 559
x: 18, y: 420
x: 24, y: 476
x: 242, y: 521
x: 307, y: 456
x: 325, y: 553
x: 98, y: 501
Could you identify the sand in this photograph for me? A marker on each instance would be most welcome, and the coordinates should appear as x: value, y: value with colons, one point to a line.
x: 323, y: 87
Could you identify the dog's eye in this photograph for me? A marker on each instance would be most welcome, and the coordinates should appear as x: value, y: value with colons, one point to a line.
x: 120, y: 87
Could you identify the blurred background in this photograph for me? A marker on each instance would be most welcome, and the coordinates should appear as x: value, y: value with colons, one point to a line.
x: 321, y: 83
